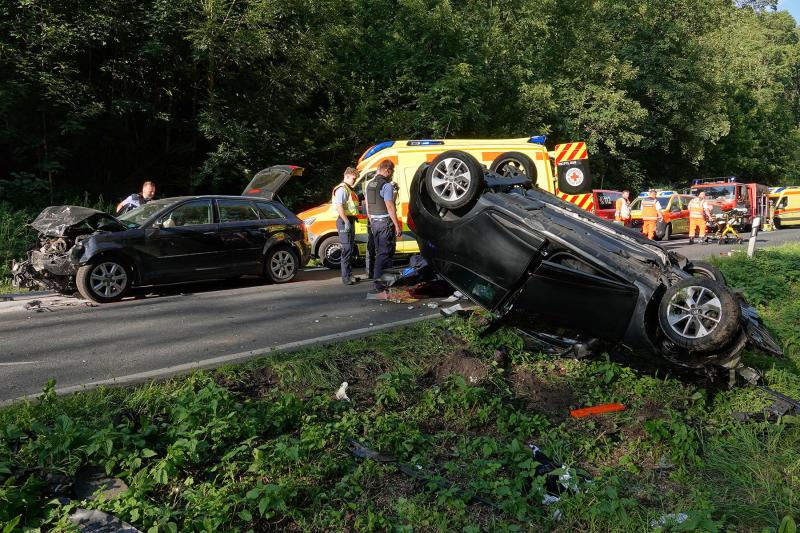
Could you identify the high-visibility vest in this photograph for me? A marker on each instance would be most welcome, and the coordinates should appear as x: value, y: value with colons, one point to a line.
x: 649, y: 209
x: 623, y: 209
x: 351, y: 205
x: 697, y: 208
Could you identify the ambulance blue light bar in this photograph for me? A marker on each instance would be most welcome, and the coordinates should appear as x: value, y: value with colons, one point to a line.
x: 377, y: 148
x: 538, y: 139
x: 424, y: 142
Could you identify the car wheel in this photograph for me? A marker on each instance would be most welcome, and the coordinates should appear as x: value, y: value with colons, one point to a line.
x: 330, y: 252
x: 699, y: 314
x: 280, y: 265
x: 702, y: 269
x: 777, y: 223
x: 454, y: 179
x: 510, y: 164
x: 103, y: 281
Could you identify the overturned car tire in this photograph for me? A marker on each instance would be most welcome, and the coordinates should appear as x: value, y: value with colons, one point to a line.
x: 512, y: 164
x: 704, y: 269
x: 454, y: 179
x: 103, y: 280
x: 699, y: 314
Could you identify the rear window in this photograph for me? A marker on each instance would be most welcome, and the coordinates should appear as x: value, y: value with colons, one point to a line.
x: 269, y: 211
x: 236, y: 211
x: 608, y: 199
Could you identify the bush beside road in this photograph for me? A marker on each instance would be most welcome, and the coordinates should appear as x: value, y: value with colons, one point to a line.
x: 263, y: 445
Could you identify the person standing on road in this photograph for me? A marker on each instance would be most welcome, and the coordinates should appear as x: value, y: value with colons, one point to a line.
x: 384, y: 225
x: 651, y: 214
x: 699, y: 213
x: 137, y: 199
x: 345, y: 201
x: 622, y: 210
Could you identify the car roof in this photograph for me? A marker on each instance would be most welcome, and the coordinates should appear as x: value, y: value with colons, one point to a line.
x: 175, y: 199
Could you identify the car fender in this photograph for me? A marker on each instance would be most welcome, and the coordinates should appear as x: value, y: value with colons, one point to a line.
x: 94, y: 250
x: 279, y: 239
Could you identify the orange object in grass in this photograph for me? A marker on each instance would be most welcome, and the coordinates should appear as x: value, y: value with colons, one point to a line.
x: 597, y: 410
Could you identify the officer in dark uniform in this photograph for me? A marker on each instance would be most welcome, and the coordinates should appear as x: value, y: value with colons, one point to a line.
x: 384, y: 225
x: 137, y: 199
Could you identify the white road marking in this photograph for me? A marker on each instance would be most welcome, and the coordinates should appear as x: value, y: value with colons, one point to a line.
x: 20, y: 363
x: 170, y: 371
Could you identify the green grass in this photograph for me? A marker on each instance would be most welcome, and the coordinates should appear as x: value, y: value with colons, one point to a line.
x: 262, y: 446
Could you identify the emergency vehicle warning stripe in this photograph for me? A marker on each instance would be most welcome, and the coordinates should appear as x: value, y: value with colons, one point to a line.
x: 571, y: 151
x: 584, y: 201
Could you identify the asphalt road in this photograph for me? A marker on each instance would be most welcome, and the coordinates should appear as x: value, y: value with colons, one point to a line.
x: 177, y: 327
x: 703, y: 251
x: 172, y: 330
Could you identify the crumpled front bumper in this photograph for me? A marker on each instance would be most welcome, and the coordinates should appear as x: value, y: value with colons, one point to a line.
x: 40, y: 270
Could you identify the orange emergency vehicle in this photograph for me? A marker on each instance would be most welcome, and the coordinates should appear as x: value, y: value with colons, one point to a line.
x: 729, y: 192
x: 563, y: 171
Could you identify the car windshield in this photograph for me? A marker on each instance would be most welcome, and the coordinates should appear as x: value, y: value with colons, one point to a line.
x: 637, y: 204
x: 136, y: 217
x: 720, y: 192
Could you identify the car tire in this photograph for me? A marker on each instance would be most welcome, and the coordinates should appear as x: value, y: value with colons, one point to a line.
x: 704, y: 269
x: 777, y: 223
x: 104, y: 280
x: 281, y: 264
x: 509, y: 164
x: 454, y: 179
x: 699, y: 314
x: 330, y: 252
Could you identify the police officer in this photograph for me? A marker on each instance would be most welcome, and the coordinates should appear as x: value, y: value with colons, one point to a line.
x: 622, y: 210
x: 699, y: 212
x: 137, y: 199
x: 384, y: 226
x: 651, y: 214
x: 345, y: 201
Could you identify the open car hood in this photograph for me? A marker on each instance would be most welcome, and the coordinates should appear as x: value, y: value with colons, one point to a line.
x: 54, y: 221
x: 267, y: 182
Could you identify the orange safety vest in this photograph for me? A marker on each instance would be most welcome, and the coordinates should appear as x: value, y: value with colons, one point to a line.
x: 649, y: 209
x: 697, y: 209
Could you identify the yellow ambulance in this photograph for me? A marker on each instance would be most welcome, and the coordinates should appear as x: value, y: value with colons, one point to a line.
x: 563, y: 171
x: 785, y: 203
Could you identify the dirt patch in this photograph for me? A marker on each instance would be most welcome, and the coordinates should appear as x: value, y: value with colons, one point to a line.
x: 472, y: 369
x: 253, y: 385
x: 552, y: 399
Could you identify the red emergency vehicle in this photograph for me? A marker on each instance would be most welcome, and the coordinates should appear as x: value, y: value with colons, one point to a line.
x: 729, y: 192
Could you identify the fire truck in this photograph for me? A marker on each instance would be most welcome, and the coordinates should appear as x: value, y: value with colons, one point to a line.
x: 730, y: 193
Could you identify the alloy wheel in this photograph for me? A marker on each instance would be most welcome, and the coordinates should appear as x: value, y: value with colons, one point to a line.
x: 282, y: 265
x: 451, y: 179
x: 108, y: 279
x: 694, y: 312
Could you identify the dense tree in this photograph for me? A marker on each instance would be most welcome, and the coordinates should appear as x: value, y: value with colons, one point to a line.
x: 199, y: 94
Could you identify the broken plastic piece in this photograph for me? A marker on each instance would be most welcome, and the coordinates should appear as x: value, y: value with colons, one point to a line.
x: 341, y: 394
x: 597, y: 410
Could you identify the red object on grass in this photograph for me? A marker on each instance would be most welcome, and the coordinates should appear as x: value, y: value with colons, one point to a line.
x: 597, y: 410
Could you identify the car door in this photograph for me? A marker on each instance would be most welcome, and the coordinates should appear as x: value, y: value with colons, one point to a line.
x: 242, y: 233
x: 680, y: 222
x: 183, y: 244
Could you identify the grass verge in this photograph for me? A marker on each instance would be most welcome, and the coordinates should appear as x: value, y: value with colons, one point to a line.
x: 262, y: 446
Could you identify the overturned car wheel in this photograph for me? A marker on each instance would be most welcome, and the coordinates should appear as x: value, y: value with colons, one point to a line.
x: 103, y: 281
x: 703, y: 269
x: 699, y: 314
x: 454, y: 179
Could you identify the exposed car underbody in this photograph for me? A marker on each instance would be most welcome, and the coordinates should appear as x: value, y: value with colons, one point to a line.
x: 52, y: 264
x: 572, y: 281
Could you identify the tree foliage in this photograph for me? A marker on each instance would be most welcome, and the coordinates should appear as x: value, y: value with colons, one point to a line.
x: 199, y: 94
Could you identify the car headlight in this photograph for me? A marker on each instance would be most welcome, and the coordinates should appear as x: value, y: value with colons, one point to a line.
x: 309, y: 221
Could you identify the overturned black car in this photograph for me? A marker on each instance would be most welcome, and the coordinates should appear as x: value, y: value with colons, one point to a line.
x: 569, y: 278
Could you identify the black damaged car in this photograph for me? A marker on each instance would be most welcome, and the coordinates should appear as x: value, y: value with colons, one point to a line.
x: 171, y: 240
x: 571, y: 279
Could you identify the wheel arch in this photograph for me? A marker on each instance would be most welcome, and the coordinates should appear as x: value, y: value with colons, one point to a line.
x: 119, y: 255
